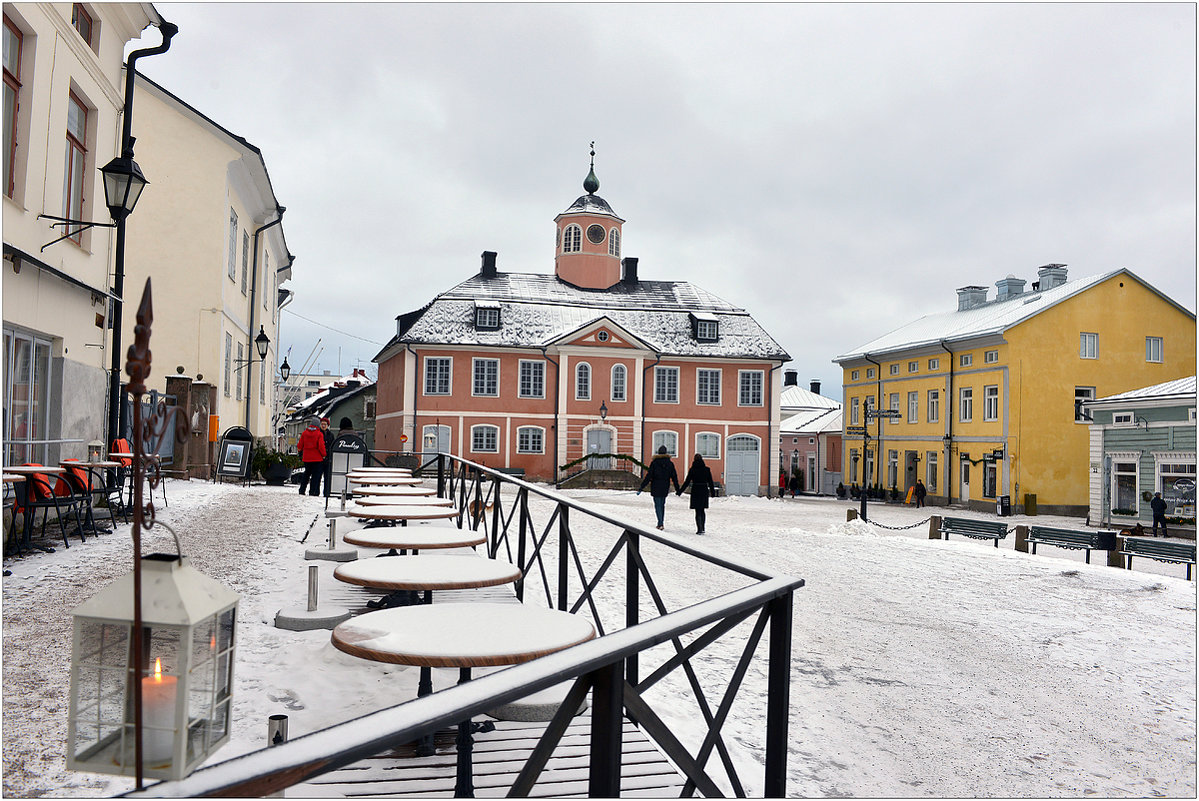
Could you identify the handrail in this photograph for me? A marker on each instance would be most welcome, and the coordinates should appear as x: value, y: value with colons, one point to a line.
x: 607, y: 666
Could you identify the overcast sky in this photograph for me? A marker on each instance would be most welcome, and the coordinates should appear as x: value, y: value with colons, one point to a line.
x: 836, y: 170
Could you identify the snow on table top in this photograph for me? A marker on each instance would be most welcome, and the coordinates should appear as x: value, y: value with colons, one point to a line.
x: 381, y: 470
x: 437, y: 572
x: 382, y: 479
x: 402, y: 512
x: 461, y: 635
x: 401, y: 500
x: 394, y: 490
x: 417, y: 537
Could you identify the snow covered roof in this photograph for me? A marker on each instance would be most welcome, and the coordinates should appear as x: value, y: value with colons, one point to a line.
x: 591, y: 204
x: 812, y: 421
x: 988, y: 318
x: 1180, y: 388
x: 795, y: 397
x: 537, y: 310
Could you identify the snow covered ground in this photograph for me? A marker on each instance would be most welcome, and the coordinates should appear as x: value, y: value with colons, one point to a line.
x: 920, y: 668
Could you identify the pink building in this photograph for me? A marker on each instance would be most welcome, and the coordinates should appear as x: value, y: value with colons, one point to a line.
x: 810, y: 436
x: 530, y: 372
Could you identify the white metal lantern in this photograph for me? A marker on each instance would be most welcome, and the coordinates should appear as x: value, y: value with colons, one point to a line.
x: 188, y: 628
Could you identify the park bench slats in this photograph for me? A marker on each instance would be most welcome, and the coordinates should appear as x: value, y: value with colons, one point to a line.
x: 970, y: 527
x: 1161, y: 550
x: 1069, y: 538
x: 498, y: 757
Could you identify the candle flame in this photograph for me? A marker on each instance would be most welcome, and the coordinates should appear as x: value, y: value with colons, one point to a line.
x: 158, y: 668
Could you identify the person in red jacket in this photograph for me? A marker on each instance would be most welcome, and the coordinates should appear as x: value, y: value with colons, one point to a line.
x: 311, y: 446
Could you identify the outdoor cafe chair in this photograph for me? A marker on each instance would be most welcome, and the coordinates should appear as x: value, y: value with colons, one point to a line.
x: 41, y: 494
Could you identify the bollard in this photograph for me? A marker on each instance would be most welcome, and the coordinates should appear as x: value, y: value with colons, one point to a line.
x: 1114, y: 558
x: 313, y: 571
x: 276, y: 734
x: 934, y: 527
x: 343, y: 499
x: 851, y: 514
x: 332, y: 533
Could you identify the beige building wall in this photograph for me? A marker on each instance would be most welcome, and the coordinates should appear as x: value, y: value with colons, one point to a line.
x: 180, y: 238
x: 61, y: 295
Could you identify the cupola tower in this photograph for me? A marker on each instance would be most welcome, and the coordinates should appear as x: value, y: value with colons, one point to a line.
x: 588, y: 240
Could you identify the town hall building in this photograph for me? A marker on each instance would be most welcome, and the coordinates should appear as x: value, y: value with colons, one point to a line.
x: 531, y: 372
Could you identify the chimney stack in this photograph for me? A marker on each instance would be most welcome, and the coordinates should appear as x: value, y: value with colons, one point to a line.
x: 629, y: 264
x: 1010, y: 287
x: 790, y: 378
x: 971, y: 296
x: 488, y: 270
x: 815, y: 385
x: 1051, y: 275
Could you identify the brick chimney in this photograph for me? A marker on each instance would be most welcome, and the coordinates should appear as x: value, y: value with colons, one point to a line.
x: 629, y: 263
x: 790, y: 378
x: 488, y: 270
x: 815, y: 386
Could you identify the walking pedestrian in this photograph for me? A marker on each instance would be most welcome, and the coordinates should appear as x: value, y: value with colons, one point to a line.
x: 1158, y: 505
x: 311, y: 446
x: 793, y: 485
x: 659, y: 477
x: 921, y: 491
x: 699, y: 478
x: 327, y: 472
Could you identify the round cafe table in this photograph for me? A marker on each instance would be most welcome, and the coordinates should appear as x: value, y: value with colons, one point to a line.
x: 93, y: 488
x: 414, y: 538
x: 425, y: 573
x: 382, y: 481
x: 401, y: 500
x: 464, y: 636
x: 402, y: 491
x: 382, y: 470
x: 402, y: 514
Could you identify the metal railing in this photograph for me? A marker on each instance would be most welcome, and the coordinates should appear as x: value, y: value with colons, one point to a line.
x: 664, y: 634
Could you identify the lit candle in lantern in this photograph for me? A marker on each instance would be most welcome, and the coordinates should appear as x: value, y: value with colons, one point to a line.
x: 158, y: 711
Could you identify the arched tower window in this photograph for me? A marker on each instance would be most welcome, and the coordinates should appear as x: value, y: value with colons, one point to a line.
x: 583, y: 382
x: 572, y: 239
x: 614, y: 242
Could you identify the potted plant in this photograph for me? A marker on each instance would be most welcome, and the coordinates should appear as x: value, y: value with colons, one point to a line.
x: 274, y: 467
x: 841, y: 490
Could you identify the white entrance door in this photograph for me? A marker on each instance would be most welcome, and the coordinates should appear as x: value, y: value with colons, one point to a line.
x: 965, y: 468
x: 599, y: 440
x: 810, y: 478
x: 435, y: 440
x: 743, y: 465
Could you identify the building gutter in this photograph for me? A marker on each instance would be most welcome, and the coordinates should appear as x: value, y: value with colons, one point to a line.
x: 948, y: 428
x: 415, y: 395
x: 254, y: 305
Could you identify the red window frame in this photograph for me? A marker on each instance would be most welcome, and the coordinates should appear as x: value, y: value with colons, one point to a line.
x: 13, y: 82
x: 78, y: 14
x: 72, y: 194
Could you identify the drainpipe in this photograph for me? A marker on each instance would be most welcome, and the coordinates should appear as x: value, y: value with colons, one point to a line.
x: 168, y: 30
x: 557, y: 378
x: 878, y: 421
x: 253, y: 305
x: 415, y: 397
x: 948, y: 429
x: 644, y: 394
x: 773, y: 445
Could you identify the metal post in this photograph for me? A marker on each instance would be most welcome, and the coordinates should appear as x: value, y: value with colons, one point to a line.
x: 313, y: 573
x: 520, y: 541
x: 778, y: 695
x: 632, y: 601
x: 332, y: 533
x: 603, y: 779
x: 563, y: 555
x: 276, y: 734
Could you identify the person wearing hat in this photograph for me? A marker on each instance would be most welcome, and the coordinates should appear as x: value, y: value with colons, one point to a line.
x: 311, y: 446
x: 327, y: 472
x: 1158, y: 506
x: 659, y: 477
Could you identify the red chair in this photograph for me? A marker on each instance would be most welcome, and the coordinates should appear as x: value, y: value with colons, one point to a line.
x: 41, y: 494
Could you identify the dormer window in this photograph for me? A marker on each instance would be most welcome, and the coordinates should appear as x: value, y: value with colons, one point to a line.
x: 705, y: 327
x: 572, y: 239
x: 487, y: 316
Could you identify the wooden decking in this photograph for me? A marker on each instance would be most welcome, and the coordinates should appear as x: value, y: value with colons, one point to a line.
x: 499, y: 755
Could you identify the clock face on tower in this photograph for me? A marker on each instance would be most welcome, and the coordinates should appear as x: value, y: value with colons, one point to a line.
x: 595, y: 233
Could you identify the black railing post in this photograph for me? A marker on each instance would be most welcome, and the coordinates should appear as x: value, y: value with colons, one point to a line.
x: 632, y: 595
x: 476, y: 509
x: 778, y: 694
x: 607, y: 704
x: 520, y: 541
x: 563, y: 555
x: 441, y: 475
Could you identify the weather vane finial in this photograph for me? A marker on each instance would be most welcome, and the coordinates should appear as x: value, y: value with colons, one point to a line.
x: 591, y: 184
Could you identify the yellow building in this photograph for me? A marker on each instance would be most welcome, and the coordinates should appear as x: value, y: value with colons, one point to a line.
x: 984, y: 401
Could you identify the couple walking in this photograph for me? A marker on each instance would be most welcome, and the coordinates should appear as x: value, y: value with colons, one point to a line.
x: 662, y: 474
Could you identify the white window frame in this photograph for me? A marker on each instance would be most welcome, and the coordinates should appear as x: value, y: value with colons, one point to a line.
x: 855, y: 415
x: 1155, y: 349
x: 1126, y: 457
x: 991, y: 402
x: 934, y: 364
x: 480, y: 431
x: 448, y: 362
x: 704, y: 376
x: 1088, y: 345
x: 870, y: 372
x: 228, y: 365
x: 582, y: 381
x: 232, y: 244
x: 750, y: 382
x: 1123, y: 418
x: 707, y: 444
x: 620, y: 383
x: 707, y: 330
x: 965, y: 360
x: 241, y: 362
x: 524, y: 439
x: 668, y: 438
x: 892, y: 468
x: 895, y: 368
x: 666, y: 385
x: 914, y: 366
x: 965, y: 404
x: 930, y: 471
x: 934, y: 405
x: 245, y: 261
x: 1083, y: 394
x: 1173, y: 463
x: 27, y: 413
x: 990, y: 357
x: 913, y: 407
x: 487, y: 318
x: 572, y: 238
x: 531, y: 383
x: 854, y: 375
x: 482, y: 363
x: 614, y: 242
x: 990, y: 479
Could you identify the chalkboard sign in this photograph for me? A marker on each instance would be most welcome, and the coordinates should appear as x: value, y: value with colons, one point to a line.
x: 234, y: 454
x: 348, y: 452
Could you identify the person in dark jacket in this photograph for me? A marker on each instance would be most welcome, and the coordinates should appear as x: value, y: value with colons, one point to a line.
x: 311, y: 446
x: 1158, y: 505
x: 699, y: 478
x: 327, y: 433
x: 792, y: 485
x: 920, y: 492
x: 659, y: 477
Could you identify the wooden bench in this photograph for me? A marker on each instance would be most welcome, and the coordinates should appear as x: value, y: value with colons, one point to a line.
x: 1068, y: 538
x: 970, y: 527
x: 1163, y: 551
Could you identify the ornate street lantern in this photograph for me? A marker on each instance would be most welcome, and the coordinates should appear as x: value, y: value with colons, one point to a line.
x: 262, y: 342
x: 185, y: 671
x: 123, y: 185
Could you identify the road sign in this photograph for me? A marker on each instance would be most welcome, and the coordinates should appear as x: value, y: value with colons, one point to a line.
x: 856, y: 430
x: 890, y: 414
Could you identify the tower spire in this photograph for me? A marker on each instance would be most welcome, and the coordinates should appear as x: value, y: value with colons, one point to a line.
x: 591, y: 183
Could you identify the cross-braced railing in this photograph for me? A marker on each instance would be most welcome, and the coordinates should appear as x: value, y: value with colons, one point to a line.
x: 668, y: 632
